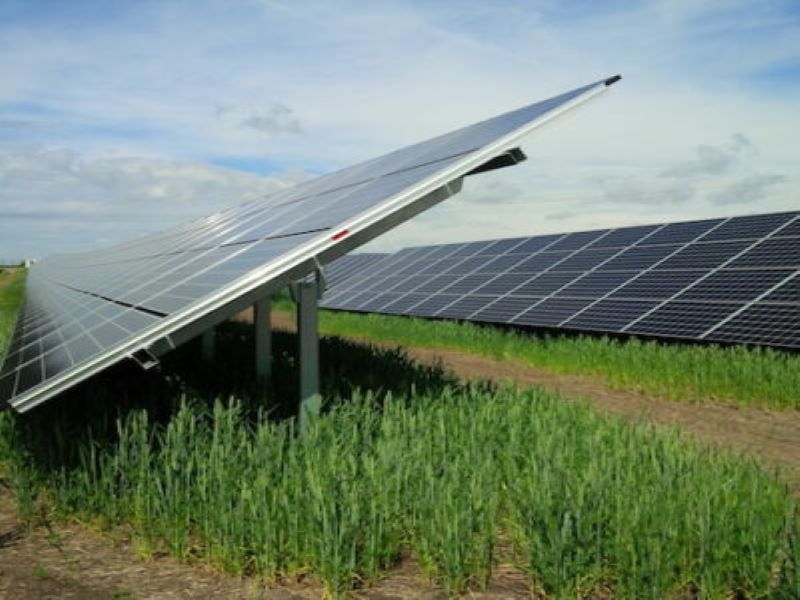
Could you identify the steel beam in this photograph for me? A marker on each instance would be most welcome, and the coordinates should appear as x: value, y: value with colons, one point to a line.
x: 262, y: 310
x: 307, y: 296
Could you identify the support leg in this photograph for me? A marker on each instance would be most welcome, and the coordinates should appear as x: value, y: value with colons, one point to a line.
x: 308, y: 334
x: 209, y: 340
x: 263, y: 334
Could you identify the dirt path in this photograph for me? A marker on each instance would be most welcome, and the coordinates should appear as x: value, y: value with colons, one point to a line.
x: 773, y: 436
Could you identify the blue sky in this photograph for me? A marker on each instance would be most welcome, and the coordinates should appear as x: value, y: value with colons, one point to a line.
x: 117, y: 119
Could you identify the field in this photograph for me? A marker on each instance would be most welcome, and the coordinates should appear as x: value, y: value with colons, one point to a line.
x: 12, y: 287
x: 747, y: 377
x: 468, y: 486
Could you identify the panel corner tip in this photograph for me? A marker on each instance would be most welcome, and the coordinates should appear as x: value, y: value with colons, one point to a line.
x: 612, y: 80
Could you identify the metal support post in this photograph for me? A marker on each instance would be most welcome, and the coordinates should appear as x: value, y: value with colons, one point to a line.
x: 307, y: 295
x: 209, y: 342
x: 263, y: 330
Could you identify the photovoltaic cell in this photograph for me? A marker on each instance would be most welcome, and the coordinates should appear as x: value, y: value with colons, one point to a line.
x: 788, y: 291
x: 464, y: 307
x: 740, y: 285
x: 727, y: 280
x: 657, y: 284
x: 551, y: 312
x: 86, y: 311
x: 764, y: 324
x: 683, y: 319
x: 609, y: 315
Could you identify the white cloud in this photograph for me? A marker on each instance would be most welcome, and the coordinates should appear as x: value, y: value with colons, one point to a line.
x: 144, y: 99
x: 79, y: 203
x: 749, y: 190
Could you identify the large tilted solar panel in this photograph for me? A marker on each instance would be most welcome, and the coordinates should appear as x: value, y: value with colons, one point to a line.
x: 726, y: 280
x: 84, y: 312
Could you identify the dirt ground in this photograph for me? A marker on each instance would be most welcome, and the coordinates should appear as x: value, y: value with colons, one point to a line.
x: 78, y: 562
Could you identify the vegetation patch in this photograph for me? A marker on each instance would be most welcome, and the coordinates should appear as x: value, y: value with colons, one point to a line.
x: 461, y: 478
x: 745, y: 376
x: 200, y: 463
x: 12, y: 290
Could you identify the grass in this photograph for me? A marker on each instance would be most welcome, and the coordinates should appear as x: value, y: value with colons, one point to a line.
x: 12, y: 289
x: 197, y: 463
x: 744, y: 376
x: 590, y: 503
x: 460, y: 478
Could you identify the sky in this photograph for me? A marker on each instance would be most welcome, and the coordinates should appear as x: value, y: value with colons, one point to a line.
x: 118, y: 119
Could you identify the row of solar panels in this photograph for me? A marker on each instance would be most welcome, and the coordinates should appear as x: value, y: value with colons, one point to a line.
x: 83, y: 312
x: 728, y: 280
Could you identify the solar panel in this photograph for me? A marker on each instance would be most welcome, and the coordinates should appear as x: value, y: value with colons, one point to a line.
x: 86, y: 311
x: 345, y: 267
x: 727, y: 280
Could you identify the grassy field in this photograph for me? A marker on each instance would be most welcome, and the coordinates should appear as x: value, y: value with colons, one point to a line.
x: 12, y: 288
x: 459, y: 478
x: 745, y: 376
x: 197, y: 463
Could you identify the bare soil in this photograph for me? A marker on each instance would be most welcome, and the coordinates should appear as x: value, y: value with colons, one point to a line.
x: 77, y: 561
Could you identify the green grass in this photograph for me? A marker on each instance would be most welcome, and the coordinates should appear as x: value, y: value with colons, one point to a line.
x: 745, y: 376
x: 588, y: 502
x: 461, y: 478
x: 10, y: 298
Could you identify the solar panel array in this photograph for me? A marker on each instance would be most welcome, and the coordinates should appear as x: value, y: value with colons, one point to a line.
x: 85, y: 311
x: 727, y: 280
x: 345, y: 267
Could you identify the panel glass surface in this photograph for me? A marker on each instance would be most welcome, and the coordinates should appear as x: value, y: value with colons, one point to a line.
x: 85, y: 311
x: 733, y: 280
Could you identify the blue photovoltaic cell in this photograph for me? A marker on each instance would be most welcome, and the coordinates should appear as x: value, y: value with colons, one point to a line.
x: 639, y: 258
x: 587, y: 259
x: 774, y: 253
x: 86, y: 311
x: 715, y: 279
x: 740, y: 285
x: 609, y: 315
x: 546, y: 283
x: 683, y: 319
x: 683, y: 233
x: 657, y: 284
x: 597, y: 283
x: 576, y: 241
x: 539, y: 262
x: 465, y: 306
x: 432, y: 305
x: 551, y: 312
x: 503, y: 310
x: 749, y: 227
x: 788, y: 291
x: 762, y: 324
